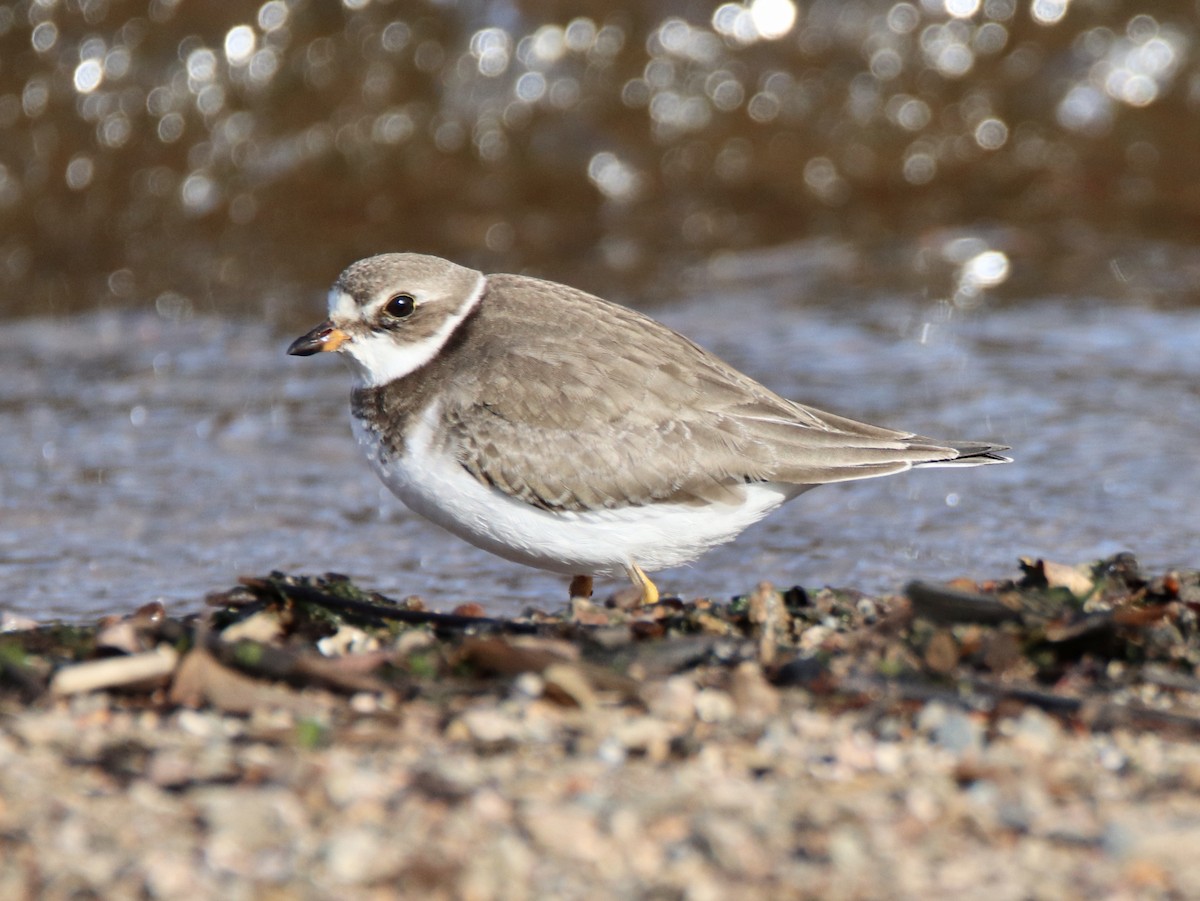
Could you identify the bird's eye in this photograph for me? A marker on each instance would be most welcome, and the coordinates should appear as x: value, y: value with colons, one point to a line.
x: 401, y: 306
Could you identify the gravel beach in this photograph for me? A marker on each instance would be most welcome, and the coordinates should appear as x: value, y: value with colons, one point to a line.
x: 785, y: 745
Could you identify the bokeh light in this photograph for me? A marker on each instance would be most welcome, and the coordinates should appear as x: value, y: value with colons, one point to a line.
x: 626, y: 134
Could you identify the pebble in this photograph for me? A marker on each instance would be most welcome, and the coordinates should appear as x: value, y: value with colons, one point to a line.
x: 264, y: 626
x: 712, y: 783
x: 125, y: 671
x: 714, y: 706
x: 673, y: 698
x: 363, y: 855
x: 1033, y: 732
x: 485, y: 726
x: 347, y: 640
x: 565, y: 830
x: 566, y: 683
x: 950, y: 728
x: 755, y: 699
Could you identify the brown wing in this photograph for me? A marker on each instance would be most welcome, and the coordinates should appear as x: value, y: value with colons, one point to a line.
x: 599, y: 406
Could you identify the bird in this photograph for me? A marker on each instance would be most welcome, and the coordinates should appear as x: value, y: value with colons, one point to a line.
x: 573, y: 434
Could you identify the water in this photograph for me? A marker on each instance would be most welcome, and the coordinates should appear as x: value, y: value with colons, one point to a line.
x: 968, y: 219
x: 147, y: 458
x: 203, y: 155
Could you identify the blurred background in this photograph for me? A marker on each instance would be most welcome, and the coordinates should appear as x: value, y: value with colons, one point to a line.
x: 972, y: 218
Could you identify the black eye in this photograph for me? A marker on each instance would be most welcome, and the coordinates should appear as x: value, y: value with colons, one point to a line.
x: 400, y: 306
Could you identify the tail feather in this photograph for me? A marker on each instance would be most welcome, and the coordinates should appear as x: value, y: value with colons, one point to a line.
x: 967, y: 453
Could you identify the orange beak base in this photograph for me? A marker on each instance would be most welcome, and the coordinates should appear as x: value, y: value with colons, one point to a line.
x: 324, y: 338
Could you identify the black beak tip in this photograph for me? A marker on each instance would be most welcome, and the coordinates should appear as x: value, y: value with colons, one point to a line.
x: 304, y: 346
x: 311, y: 342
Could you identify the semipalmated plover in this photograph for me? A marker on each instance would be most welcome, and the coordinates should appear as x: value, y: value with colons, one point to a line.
x: 565, y: 432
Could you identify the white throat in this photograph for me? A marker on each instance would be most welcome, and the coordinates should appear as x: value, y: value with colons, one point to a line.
x: 379, y: 358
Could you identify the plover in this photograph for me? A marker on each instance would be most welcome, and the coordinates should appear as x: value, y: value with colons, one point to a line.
x: 565, y: 432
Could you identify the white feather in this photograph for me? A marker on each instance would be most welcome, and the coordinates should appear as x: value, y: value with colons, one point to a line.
x: 599, y: 542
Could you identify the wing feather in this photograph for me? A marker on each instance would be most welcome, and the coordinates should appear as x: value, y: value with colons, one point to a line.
x: 601, y: 407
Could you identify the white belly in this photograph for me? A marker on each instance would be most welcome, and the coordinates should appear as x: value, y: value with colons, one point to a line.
x: 599, y: 542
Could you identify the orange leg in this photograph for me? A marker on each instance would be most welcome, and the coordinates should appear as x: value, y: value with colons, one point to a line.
x: 642, y: 581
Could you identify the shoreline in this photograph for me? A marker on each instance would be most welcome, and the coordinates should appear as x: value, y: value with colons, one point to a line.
x: 307, y: 739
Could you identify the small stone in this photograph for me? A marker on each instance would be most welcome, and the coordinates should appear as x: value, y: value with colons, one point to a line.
x: 672, y: 699
x: 125, y: 635
x: 264, y: 627
x: 413, y: 640
x: 847, y: 853
x: 611, y: 752
x: 627, y: 598
x: 566, y: 830
x: 813, y: 637
x: 499, y: 869
x: 646, y: 734
x: 530, y: 685
x: 129, y: 672
x: 714, y: 625
x: 566, y: 683
x: 733, y: 847
x: 1034, y: 732
x: 767, y: 612
x: 941, y: 653
x: 714, y: 706
x: 958, y: 733
x: 586, y: 613
x: 11, y: 622
x: 755, y: 698
x: 950, y: 728
x: 1000, y: 650
x: 200, y: 723
x: 347, y: 640
x: 364, y: 702
x: 363, y: 854
x: 488, y: 726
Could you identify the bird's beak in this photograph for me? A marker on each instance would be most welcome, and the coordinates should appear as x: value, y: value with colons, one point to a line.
x: 325, y: 337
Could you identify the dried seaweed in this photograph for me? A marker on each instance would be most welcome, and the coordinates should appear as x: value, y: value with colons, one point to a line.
x: 1100, y: 645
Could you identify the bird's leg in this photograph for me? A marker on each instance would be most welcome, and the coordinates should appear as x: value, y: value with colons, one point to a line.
x: 581, y: 587
x: 642, y: 581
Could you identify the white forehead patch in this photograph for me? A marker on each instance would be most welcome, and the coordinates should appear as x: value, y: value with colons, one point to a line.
x: 342, y: 306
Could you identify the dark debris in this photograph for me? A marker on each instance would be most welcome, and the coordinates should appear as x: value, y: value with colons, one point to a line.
x: 1098, y: 645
